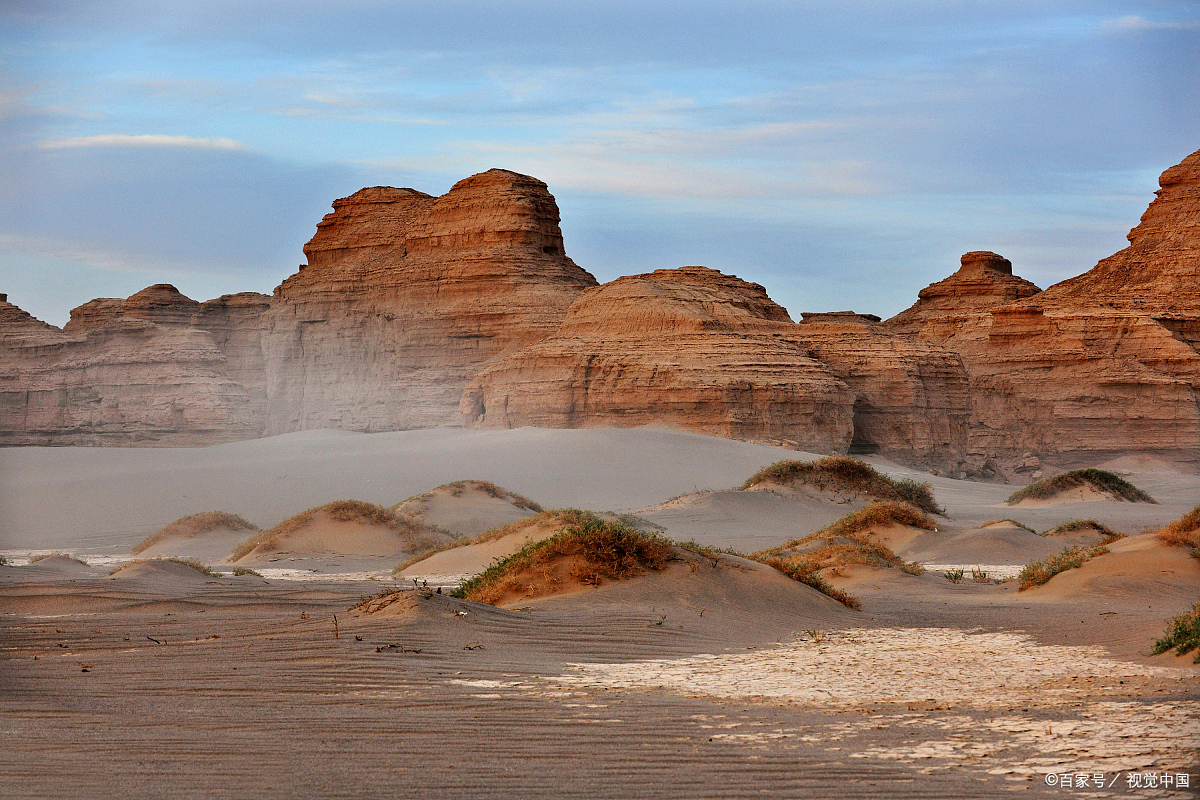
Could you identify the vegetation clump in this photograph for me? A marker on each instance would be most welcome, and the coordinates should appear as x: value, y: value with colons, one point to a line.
x: 200, y: 567
x: 1098, y: 479
x: 1184, y: 532
x: 843, y: 473
x: 194, y: 524
x: 1038, y: 572
x: 587, y: 551
x: 847, y: 542
x: 854, y: 525
x: 340, y: 511
x: 240, y: 571
x: 1083, y: 524
x: 804, y: 574
x: 1183, y: 634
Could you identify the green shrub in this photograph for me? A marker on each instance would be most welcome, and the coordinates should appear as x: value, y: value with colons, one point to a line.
x: 1183, y: 634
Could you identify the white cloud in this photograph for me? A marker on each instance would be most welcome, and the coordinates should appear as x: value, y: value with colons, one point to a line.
x: 142, y: 140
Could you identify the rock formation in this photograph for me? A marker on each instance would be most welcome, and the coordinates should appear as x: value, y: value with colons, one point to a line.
x: 121, y: 372
x: 911, y: 398
x: 1099, y: 365
x: 695, y: 349
x: 416, y: 311
x: 405, y: 297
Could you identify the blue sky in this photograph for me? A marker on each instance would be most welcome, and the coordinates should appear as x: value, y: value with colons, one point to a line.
x: 842, y: 154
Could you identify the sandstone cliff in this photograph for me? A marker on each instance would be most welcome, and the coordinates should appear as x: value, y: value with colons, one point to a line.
x: 134, y: 371
x: 695, y: 349
x: 406, y: 296
x: 1099, y: 365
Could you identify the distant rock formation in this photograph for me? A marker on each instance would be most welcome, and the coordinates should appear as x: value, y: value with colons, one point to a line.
x: 695, y: 349
x: 416, y: 311
x: 1096, y: 366
x: 123, y: 372
x: 406, y: 296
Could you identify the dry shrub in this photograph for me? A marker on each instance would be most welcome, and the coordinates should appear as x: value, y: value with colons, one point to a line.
x: 1096, y: 478
x: 416, y: 535
x: 1008, y: 519
x: 1081, y: 524
x: 591, y: 549
x: 854, y: 525
x: 1038, y: 572
x: 1184, y: 532
x: 843, y: 473
x: 193, y: 525
x: 811, y: 578
x: 43, y: 556
x: 456, y: 489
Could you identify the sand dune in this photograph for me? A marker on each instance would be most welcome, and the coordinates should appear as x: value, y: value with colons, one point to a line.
x: 343, y: 528
x: 467, y: 508
x: 162, y: 574
x: 990, y: 545
x: 1137, y: 567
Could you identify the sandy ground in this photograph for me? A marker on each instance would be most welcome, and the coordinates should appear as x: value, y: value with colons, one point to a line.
x: 714, y: 678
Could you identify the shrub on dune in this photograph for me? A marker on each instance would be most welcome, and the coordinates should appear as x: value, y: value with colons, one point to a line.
x: 1184, y: 532
x: 843, y: 473
x: 1183, y: 635
x: 193, y: 525
x: 1098, y: 479
x: 1039, y: 572
x: 586, y: 551
x: 339, y: 511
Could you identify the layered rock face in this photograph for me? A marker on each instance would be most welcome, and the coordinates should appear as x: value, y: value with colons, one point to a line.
x: 1096, y: 366
x: 692, y: 348
x: 406, y: 296
x: 135, y: 371
x: 911, y: 398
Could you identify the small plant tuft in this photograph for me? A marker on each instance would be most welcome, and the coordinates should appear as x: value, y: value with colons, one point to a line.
x: 240, y: 571
x: 1183, y: 634
x: 954, y: 575
x: 1098, y: 479
x: 979, y: 576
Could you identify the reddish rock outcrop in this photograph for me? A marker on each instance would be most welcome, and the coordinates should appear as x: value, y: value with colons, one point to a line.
x: 1096, y: 366
x: 405, y: 297
x: 695, y: 349
x: 911, y: 398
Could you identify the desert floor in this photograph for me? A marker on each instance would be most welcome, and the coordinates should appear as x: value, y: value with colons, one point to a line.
x: 713, y: 678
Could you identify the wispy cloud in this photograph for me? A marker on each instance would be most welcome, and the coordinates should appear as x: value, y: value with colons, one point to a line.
x: 140, y: 140
x: 1134, y: 22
